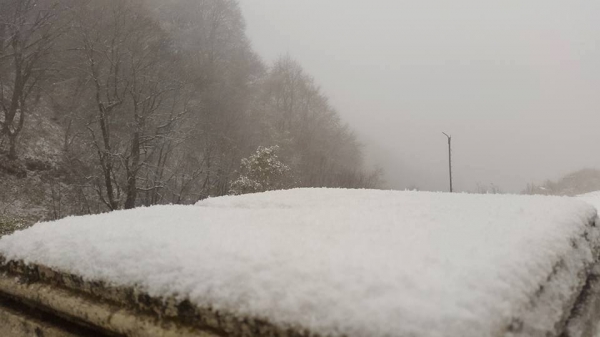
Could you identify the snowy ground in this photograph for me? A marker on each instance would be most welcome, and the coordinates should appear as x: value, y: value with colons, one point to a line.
x: 592, y: 198
x: 353, y: 262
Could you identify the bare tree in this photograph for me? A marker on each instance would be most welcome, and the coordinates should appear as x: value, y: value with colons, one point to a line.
x: 126, y: 60
x: 292, y: 112
x: 222, y: 72
x: 27, y: 35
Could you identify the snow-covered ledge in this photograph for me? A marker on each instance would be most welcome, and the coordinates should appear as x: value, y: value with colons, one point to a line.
x: 72, y: 305
x: 310, y: 263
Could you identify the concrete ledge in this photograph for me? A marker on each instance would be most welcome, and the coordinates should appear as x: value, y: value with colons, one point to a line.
x: 25, y: 323
x: 585, y: 317
x: 121, y: 311
x: 103, y: 318
x: 99, y: 309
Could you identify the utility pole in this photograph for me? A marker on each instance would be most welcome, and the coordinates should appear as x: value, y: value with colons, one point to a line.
x: 449, y: 157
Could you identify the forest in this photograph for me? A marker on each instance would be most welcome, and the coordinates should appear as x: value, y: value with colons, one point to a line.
x: 116, y: 104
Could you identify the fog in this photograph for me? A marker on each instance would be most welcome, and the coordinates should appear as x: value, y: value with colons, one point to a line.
x: 515, y: 83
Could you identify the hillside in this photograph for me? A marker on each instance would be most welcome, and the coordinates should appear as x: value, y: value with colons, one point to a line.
x: 36, y: 186
x: 572, y: 184
x: 116, y: 104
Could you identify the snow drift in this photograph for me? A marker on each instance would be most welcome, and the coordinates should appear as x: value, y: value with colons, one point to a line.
x: 343, y: 262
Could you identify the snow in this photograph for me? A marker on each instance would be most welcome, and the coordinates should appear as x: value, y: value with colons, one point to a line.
x: 592, y: 198
x: 353, y: 262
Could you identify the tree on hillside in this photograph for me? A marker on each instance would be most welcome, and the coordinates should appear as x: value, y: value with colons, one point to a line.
x: 134, y: 95
x: 291, y: 110
x: 28, y: 32
x: 223, y: 72
x: 262, y: 171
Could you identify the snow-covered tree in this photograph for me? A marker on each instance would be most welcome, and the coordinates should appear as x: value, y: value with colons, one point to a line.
x: 262, y: 171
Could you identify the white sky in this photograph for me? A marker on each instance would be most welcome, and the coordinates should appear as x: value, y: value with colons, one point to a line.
x: 517, y: 83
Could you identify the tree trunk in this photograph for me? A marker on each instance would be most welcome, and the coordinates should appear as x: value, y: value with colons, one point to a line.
x: 132, y: 172
x: 12, y: 152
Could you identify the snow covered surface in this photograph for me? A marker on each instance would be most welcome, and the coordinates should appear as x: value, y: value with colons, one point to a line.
x: 354, y: 262
x: 592, y: 198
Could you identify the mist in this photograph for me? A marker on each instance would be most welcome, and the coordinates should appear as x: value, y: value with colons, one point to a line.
x: 261, y: 168
x: 515, y: 83
x: 116, y: 104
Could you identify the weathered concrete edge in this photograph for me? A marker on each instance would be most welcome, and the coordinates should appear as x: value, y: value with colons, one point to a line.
x: 18, y: 323
x: 132, y: 312
x: 137, y: 303
x: 585, y: 319
x: 585, y: 314
x: 90, y: 313
x: 559, y: 287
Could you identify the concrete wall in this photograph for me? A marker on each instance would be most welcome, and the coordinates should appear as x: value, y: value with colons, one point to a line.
x: 105, y: 310
x: 38, y: 301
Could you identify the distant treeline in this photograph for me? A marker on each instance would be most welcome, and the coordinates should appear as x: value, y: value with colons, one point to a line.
x: 572, y: 184
x: 158, y: 101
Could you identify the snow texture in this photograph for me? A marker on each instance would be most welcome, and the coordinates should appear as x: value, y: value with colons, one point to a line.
x: 353, y: 262
x: 592, y: 198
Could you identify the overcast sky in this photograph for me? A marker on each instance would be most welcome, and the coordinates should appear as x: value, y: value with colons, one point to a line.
x: 516, y: 83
